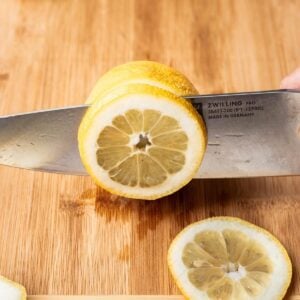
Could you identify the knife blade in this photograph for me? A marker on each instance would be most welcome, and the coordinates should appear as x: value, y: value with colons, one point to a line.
x: 249, y: 134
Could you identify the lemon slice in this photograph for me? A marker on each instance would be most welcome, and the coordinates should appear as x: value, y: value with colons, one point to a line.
x: 144, y: 72
x: 144, y: 143
x: 229, y: 259
x: 10, y: 290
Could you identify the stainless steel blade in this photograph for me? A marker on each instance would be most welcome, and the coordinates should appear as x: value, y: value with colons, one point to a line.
x: 249, y: 134
x: 42, y: 140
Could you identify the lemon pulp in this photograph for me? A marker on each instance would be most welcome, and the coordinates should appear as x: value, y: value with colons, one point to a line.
x: 229, y: 259
x: 145, y: 143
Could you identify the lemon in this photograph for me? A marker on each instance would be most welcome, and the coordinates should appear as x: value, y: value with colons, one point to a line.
x: 144, y: 72
x: 10, y: 290
x: 139, y: 139
x: 145, y: 143
x: 229, y: 259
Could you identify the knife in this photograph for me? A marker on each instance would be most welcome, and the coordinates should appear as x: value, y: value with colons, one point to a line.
x: 249, y: 135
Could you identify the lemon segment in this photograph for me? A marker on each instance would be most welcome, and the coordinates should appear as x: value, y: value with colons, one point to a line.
x: 228, y: 258
x: 142, y: 72
x: 10, y: 290
x: 144, y: 143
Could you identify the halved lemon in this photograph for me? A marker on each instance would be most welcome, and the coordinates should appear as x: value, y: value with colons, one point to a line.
x: 227, y: 258
x: 142, y: 72
x: 10, y: 290
x: 144, y: 142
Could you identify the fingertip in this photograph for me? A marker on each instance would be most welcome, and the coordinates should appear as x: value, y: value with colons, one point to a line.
x: 292, y: 81
x: 283, y: 84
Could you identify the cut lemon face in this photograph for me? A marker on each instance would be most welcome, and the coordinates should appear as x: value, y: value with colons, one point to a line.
x: 142, y: 72
x: 144, y: 143
x: 229, y: 259
x: 10, y: 290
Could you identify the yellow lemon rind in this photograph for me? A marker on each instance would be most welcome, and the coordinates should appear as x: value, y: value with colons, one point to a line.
x: 147, y: 72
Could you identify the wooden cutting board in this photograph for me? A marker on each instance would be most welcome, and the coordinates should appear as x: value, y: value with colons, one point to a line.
x: 62, y: 235
x: 144, y: 297
x: 117, y: 297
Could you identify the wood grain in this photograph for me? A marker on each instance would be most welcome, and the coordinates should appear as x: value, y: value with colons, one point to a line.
x: 143, y: 297
x: 115, y: 297
x: 62, y: 235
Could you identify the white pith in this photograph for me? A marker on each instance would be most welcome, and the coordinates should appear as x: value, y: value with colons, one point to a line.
x: 10, y: 290
x: 237, y: 275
